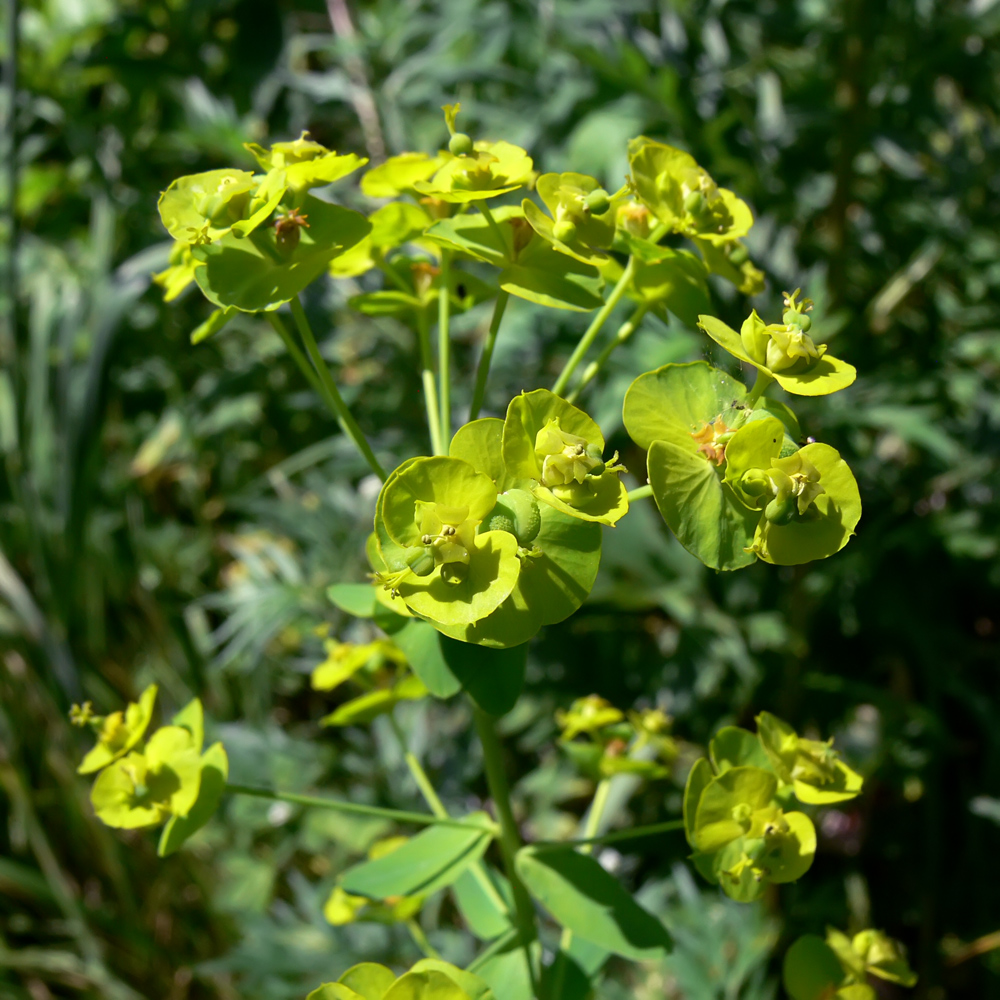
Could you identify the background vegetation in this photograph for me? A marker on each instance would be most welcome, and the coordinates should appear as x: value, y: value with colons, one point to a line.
x: 174, y: 514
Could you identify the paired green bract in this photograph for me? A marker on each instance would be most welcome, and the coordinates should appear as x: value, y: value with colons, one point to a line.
x: 734, y: 805
x: 502, y: 536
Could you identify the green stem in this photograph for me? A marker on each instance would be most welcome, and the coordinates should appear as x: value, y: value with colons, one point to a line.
x: 639, y: 493
x: 590, y: 335
x: 494, y: 226
x: 444, y: 351
x: 297, y: 356
x: 356, y: 808
x: 759, y: 388
x: 390, y: 272
x: 617, y: 836
x: 436, y: 806
x: 333, y: 397
x: 483, y: 371
x: 593, y: 369
x: 494, y: 948
x: 510, y: 838
x: 430, y: 387
x: 420, y: 939
x: 591, y: 826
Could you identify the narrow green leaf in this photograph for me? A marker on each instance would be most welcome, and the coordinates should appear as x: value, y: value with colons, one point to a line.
x: 429, y: 861
x: 481, y: 910
x: 493, y: 678
x: 589, y: 901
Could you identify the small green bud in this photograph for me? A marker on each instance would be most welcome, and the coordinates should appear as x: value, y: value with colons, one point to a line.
x: 564, y: 231
x: 738, y: 255
x: 460, y: 144
x: 790, y: 316
x: 694, y: 203
x: 517, y: 512
x: 755, y: 483
x: 781, y: 509
x: 598, y: 201
x: 805, y: 323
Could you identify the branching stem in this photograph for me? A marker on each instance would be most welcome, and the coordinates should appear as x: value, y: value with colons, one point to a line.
x: 430, y: 386
x: 358, y: 809
x: 444, y: 351
x: 483, y: 372
x: 590, y: 334
x: 625, y: 331
x: 332, y: 394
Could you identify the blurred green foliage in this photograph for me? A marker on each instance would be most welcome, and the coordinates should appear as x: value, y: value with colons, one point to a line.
x: 174, y: 514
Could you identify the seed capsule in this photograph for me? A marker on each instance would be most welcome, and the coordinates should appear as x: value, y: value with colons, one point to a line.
x: 460, y: 144
x: 598, y: 201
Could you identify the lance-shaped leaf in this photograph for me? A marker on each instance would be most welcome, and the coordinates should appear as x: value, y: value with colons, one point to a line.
x: 586, y: 899
x: 366, y: 707
x: 256, y: 274
x: 427, y: 862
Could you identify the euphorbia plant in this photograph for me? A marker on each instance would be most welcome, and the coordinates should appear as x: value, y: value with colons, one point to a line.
x: 497, y: 532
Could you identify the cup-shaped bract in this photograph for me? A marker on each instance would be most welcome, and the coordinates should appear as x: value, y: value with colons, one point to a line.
x: 429, y: 979
x: 683, y: 195
x: 815, y: 509
x: 783, y: 352
x: 743, y: 838
x: 306, y: 164
x: 581, y: 223
x: 143, y: 789
x: 813, y: 768
x: 120, y: 732
x: 490, y: 170
x: 199, y: 208
x: 426, y: 526
x: 269, y: 266
x: 557, y: 452
x: 399, y: 174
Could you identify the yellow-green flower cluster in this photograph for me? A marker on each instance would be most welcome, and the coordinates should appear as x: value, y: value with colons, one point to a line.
x: 735, y: 805
x: 167, y: 779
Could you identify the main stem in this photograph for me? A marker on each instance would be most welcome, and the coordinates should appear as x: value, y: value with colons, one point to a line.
x: 437, y: 807
x: 430, y: 388
x: 444, y: 351
x: 483, y: 371
x: 590, y: 335
x: 332, y: 396
x: 510, y: 838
